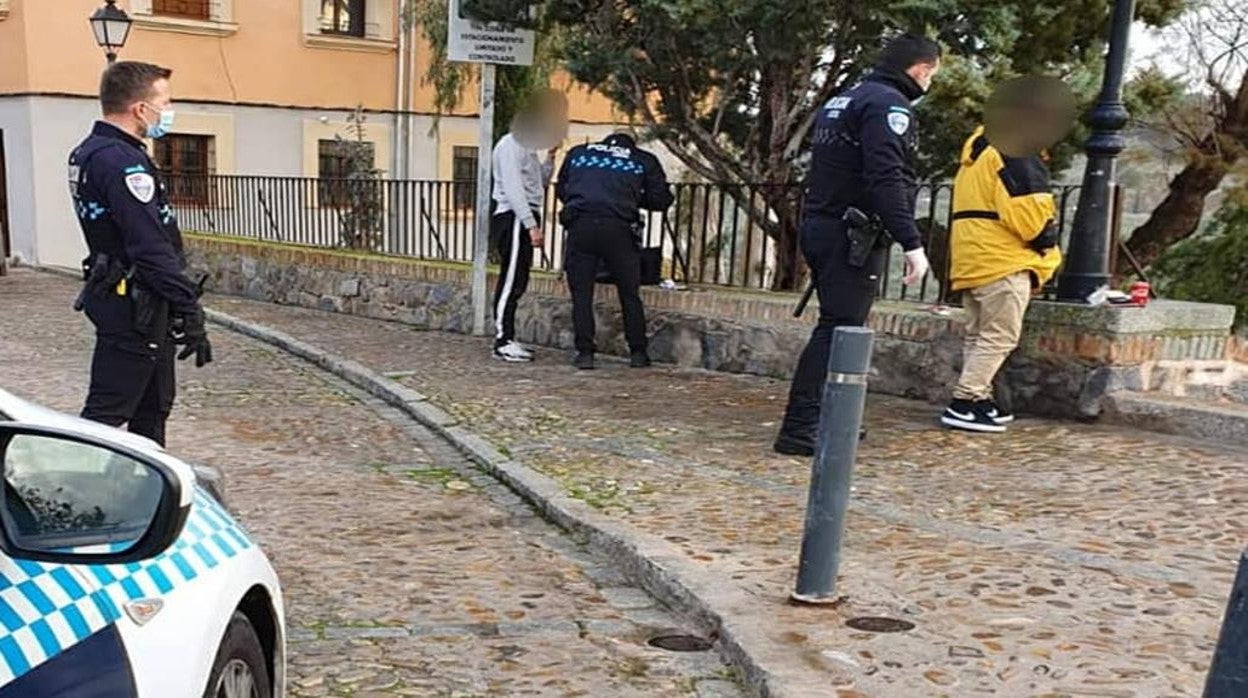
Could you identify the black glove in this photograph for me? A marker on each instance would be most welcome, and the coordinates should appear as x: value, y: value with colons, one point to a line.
x: 189, y: 332
x: 1047, y: 239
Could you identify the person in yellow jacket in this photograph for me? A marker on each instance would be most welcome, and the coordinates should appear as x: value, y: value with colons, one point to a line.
x: 1004, y: 241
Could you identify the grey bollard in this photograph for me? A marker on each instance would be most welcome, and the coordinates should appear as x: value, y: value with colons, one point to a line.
x: 840, y: 418
x: 1228, y: 675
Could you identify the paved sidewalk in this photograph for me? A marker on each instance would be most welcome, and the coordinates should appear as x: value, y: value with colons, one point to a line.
x: 406, y: 571
x: 1061, y: 559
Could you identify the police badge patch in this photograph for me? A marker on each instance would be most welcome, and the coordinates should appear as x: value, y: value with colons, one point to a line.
x: 898, y: 122
x: 142, y: 186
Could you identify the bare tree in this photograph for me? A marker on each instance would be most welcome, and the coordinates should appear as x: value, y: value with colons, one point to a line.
x: 1210, y: 125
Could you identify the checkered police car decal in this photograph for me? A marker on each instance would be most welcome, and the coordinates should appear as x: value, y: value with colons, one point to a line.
x: 45, y: 610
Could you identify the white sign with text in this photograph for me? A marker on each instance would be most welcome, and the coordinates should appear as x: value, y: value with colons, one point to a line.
x: 487, y: 42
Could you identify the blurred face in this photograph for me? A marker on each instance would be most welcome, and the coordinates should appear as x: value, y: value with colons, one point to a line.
x: 1022, y: 126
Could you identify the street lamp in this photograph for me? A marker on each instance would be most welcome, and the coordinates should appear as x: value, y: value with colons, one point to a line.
x: 111, y: 25
x: 1087, y: 259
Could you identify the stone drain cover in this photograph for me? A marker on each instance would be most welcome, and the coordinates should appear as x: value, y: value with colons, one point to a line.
x: 680, y: 643
x: 878, y: 624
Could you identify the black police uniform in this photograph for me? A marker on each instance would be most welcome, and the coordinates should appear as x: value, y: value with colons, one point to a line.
x: 863, y: 143
x: 603, y: 187
x: 129, y: 226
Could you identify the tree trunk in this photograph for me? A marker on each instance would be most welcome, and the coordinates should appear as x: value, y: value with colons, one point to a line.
x: 1178, y: 215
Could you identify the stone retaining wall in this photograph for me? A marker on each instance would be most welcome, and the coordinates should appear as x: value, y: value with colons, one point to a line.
x: 1069, y: 359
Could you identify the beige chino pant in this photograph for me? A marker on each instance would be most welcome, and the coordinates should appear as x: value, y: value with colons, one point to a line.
x: 994, y: 323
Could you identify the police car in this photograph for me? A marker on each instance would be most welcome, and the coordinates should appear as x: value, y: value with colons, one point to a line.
x: 121, y: 575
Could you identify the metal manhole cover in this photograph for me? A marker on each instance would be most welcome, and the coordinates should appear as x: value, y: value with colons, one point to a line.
x: 680, y: 643
x: 878, y: 624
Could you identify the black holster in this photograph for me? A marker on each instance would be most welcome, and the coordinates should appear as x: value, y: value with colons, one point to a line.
x: 865, y: 234
x: 151, y: 314
x: 100, y: 275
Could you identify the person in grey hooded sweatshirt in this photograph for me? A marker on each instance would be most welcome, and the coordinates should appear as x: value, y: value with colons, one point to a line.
x: 520, y: 181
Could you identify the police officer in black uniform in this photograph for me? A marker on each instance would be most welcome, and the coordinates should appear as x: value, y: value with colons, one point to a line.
x: 137, y: 293
x: 603, y: 187
x: 861, y: 171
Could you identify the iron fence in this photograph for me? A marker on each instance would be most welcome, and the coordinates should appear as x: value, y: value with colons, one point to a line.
x: 714, y: 234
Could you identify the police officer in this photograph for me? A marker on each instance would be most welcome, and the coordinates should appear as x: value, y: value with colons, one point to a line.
x: 603, y: 187
x: 863, y: 146
x: 137, y: 293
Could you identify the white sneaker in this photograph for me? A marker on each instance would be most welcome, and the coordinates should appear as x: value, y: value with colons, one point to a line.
x: 512, y: 352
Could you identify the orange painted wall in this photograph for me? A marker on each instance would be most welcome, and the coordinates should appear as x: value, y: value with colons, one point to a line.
x: 13, y: 63
x: 265, y: 62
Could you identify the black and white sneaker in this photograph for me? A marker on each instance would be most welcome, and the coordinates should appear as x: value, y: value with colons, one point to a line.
x: 513, y: 352
x: 993, y: 410
x: 970, y: 416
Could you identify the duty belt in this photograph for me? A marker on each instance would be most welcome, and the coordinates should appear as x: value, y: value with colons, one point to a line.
x: 101, y: 275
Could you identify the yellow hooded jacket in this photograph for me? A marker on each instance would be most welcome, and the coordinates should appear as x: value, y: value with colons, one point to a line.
x: 1000, y: 205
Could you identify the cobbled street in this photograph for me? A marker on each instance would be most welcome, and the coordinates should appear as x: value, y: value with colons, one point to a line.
x: 1062, y: 559
x: 405, y: 570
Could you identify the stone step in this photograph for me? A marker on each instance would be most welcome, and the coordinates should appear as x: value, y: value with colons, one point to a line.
x: 1222, y: 421
x: 1208, y: 381
x: 1237, y: 391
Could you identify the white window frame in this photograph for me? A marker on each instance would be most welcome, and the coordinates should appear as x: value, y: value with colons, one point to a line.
x: 379, y: 28
x: 221, y: 22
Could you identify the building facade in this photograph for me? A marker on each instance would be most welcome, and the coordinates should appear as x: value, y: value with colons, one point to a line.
x: 261, y: 87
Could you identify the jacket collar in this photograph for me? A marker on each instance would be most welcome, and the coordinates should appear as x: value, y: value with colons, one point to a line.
x: 620, y: 139
x: 898, y: 80
x: 107, y: 130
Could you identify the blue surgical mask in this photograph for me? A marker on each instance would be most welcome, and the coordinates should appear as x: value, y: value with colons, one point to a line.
x: 163, y: 125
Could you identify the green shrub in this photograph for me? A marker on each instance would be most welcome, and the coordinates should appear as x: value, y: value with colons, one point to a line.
x: 1211, y: 266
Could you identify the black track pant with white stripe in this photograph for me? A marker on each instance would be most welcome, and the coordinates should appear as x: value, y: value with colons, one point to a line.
x: 515, y: 251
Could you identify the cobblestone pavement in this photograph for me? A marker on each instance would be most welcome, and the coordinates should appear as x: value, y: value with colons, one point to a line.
x: 405, y: 570
x: 1059, y: 560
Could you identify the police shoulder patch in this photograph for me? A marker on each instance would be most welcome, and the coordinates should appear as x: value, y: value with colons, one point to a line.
x: 898, y: 121
x: 142, y: 186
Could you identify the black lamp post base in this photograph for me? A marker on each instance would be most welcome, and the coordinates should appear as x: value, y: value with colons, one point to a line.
x: 1087, y: 255
x: 1076, y: 287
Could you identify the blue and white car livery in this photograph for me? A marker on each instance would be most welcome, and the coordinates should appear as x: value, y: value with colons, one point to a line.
x: 121, y: 575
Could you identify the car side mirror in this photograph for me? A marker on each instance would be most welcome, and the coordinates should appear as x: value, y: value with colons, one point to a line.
x: 75, y: 499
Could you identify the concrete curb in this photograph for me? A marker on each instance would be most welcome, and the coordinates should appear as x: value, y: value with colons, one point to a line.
x: 1220, y: 423
x: 655, y: 564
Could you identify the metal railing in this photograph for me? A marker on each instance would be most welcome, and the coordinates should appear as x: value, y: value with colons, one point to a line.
x: 719, y: 234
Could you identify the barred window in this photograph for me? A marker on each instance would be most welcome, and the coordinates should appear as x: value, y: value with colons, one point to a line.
x: 190, y: 9
x: 345, y: 17
x: 464, y: 175
x: 186, y: 162
x: 333, y: 169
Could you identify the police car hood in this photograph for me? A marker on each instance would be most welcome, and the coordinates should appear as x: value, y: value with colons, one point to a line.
x: 15, y: 409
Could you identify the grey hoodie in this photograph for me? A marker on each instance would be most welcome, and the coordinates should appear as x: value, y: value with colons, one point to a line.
x: 520, y: 180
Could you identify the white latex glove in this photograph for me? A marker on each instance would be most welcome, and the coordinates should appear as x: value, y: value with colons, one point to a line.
x: 916, y: 266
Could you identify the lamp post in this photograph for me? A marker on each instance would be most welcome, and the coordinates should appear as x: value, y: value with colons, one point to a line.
x: 1087, y: 259
x: 111, y: 26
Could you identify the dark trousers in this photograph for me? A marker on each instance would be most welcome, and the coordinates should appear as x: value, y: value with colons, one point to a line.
x: 515, y: 250
x: 132, y: 383
x: 611, y: 241
x: 845, y: 297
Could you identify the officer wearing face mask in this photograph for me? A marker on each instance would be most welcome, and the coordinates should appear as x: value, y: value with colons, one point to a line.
x: 860, y: 199
x: 137, y: 293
